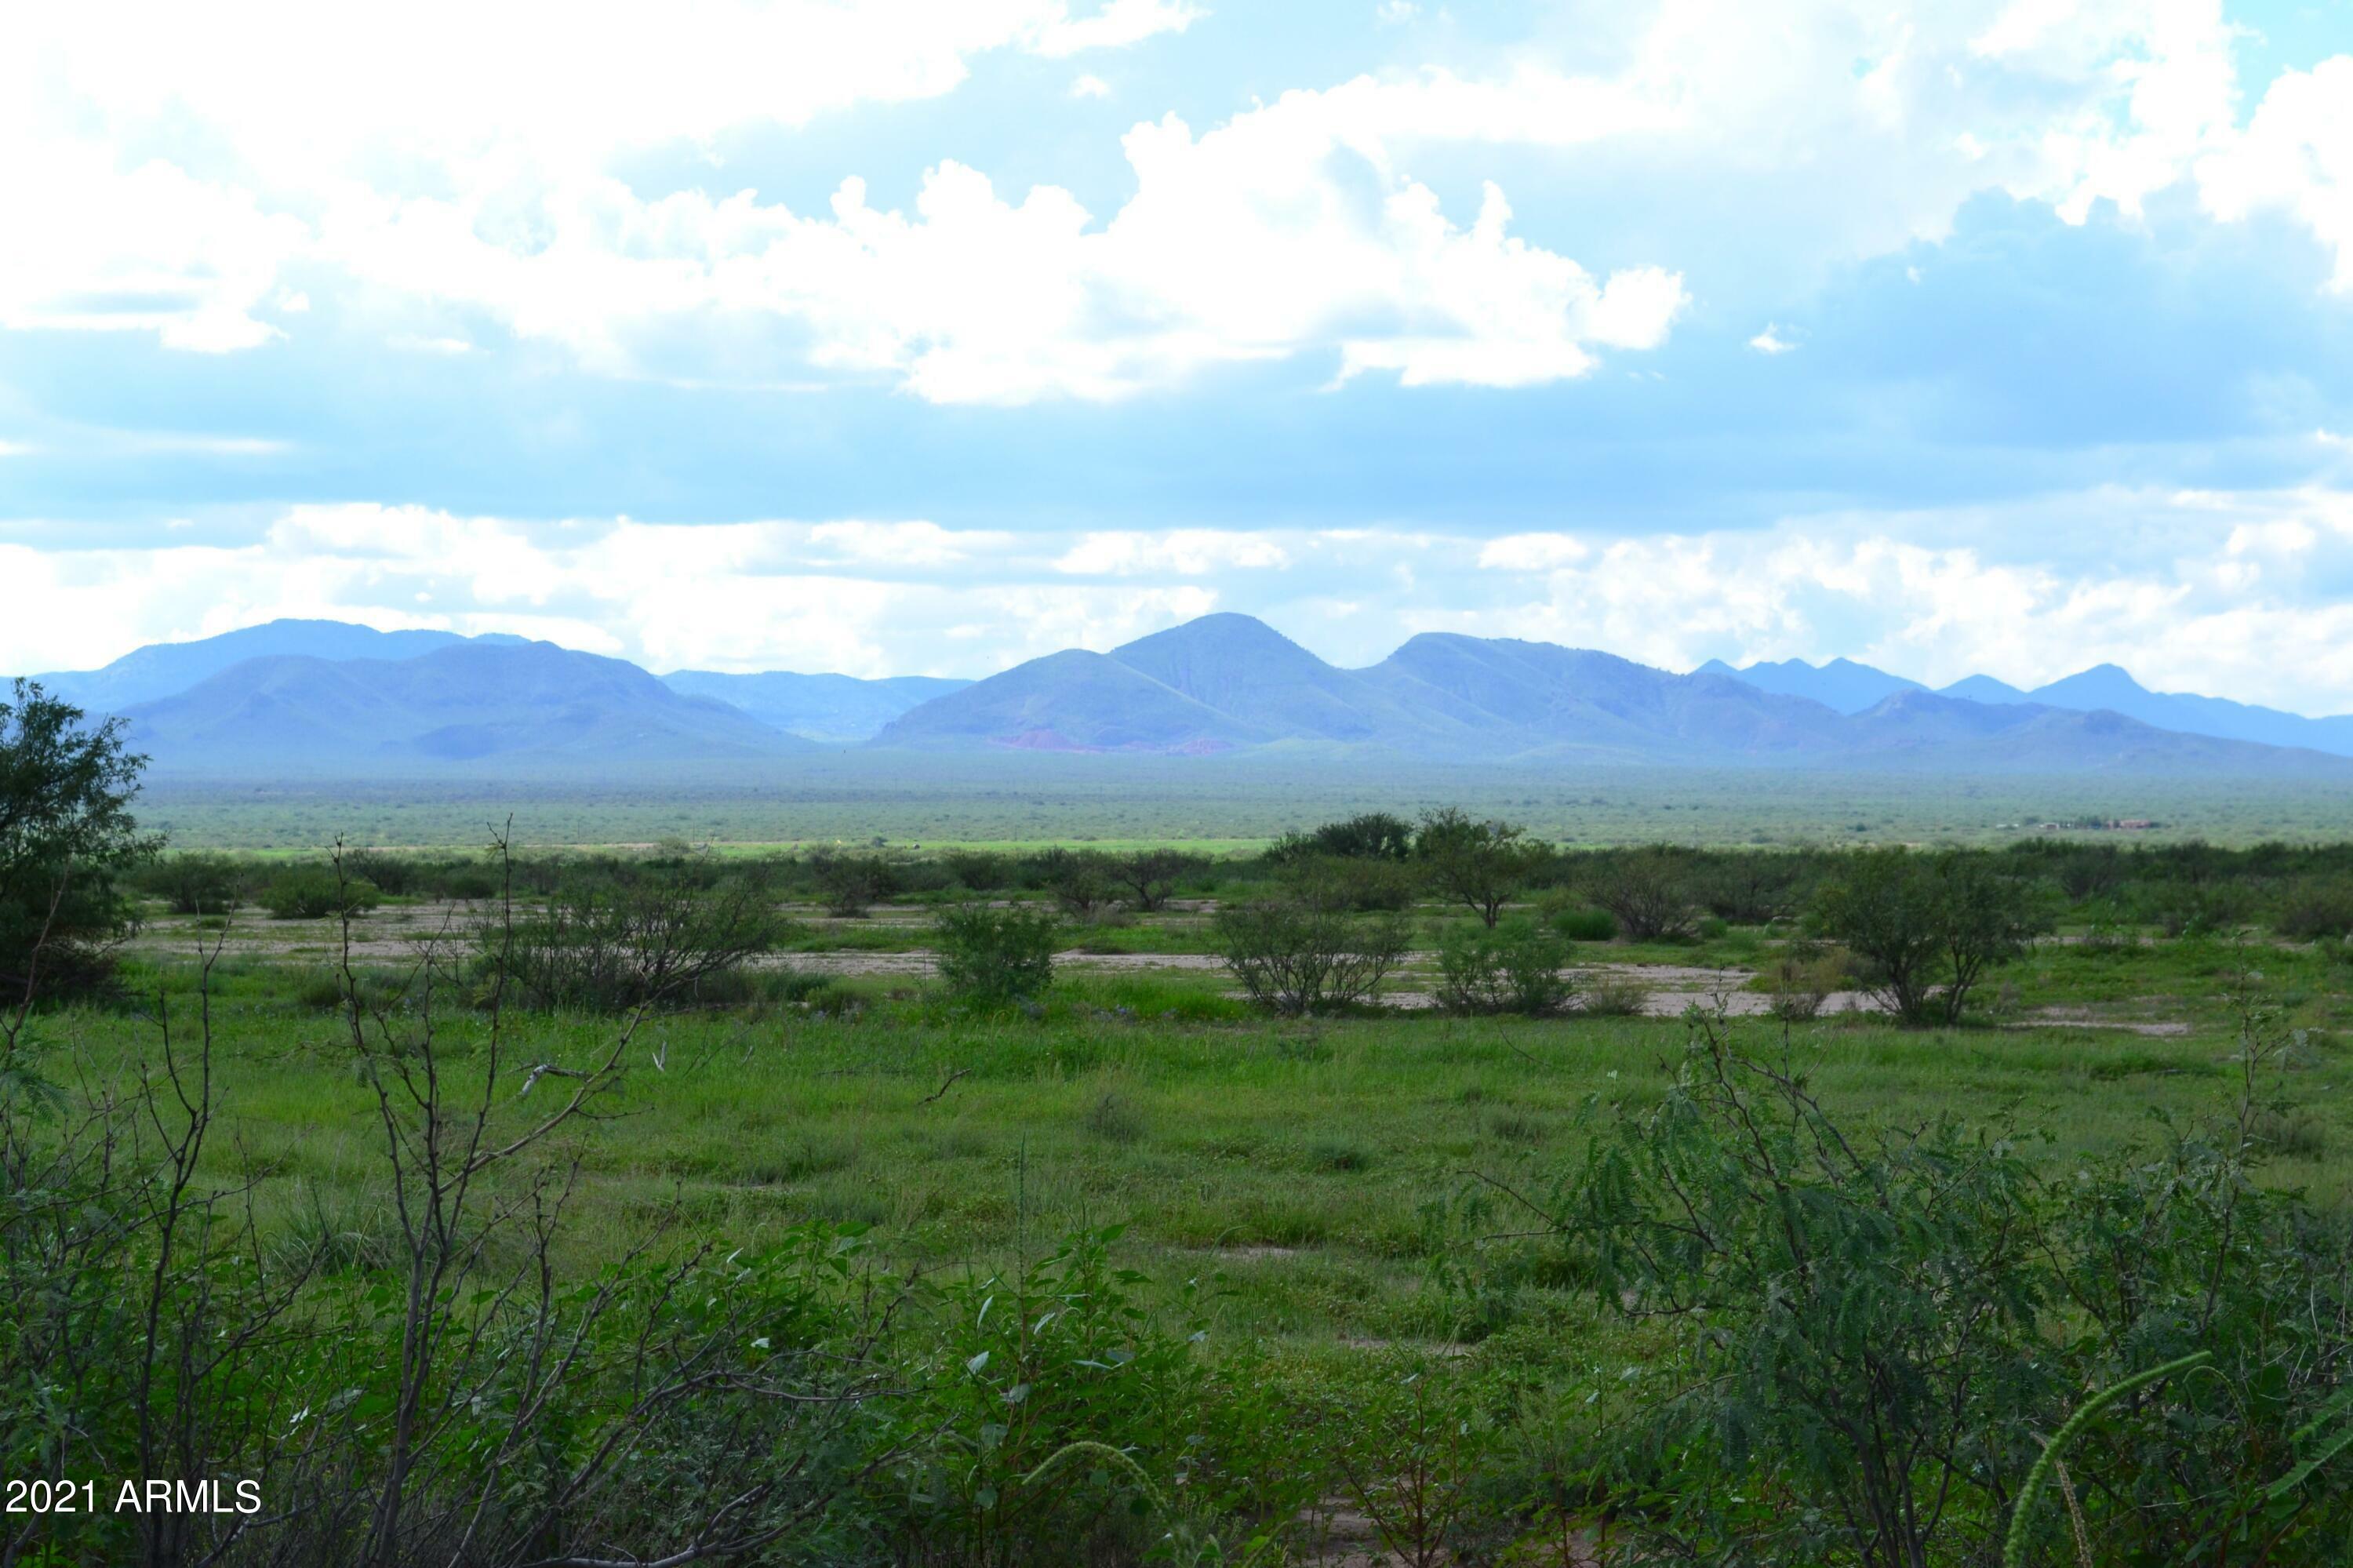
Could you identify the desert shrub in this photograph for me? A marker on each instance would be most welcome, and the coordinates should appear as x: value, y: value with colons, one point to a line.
x: 1481, y: 865
x: 2089, y: 872
x: 1513, y: 966
x: 1612, y: 993
x: 1751, y: 887
x: 1151, y: 875
x: 1365, y: 886
x: 979, y: 870
x: 1410, y: 1445
x: 1298, y: 953
x: 2177, y: 1248
x: 194, y: 883
x: 623, y: 936
x: 464, y: 884
x: 1648, y: 892
x: 1585, y: 925
x: 1372, y: 836
x: 1797, y: 978
x: 995, y: 955
x: 1712, y: 927
x: 2315, y: 909
x: 394, y: 875
x: 1925, y: 927
x: 317, y: 893
x: 1868, y: 1363
x: 1082, y: 882
x: 2194, y: 909
x: 1859, y: 1337
x: 2108, y: 938
x: 538, y: 875
x: 850, y: 885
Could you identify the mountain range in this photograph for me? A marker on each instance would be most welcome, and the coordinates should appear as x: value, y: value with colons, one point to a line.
x: 1227, y: 682
x: 1851, y: 688
x: 323, y: 697
x: 466, y: 702
x: 167, y: 669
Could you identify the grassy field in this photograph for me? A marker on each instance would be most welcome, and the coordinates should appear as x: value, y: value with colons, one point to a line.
x: 1297, y: 1159
x: 1309, y: 1289
x: 907, y: 798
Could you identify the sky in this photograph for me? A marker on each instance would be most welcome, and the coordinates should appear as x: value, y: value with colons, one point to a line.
x: 923, y: 336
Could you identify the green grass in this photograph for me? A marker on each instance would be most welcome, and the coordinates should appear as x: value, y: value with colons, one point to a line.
x: 1299, y: 1160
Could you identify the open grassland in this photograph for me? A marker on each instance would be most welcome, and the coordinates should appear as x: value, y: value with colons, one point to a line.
x: 1296, y: 1159
x: 986, y: 1207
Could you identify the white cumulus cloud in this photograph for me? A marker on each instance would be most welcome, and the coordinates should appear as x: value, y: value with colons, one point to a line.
x: 1182, y: 551
x: 179, y: 169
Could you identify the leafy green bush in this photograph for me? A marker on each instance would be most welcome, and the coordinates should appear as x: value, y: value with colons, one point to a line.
x: 1365, y: 886
x: 1151, y: 877
x: 979, y: 871
x: 395, y: 876
x: 996, y: 954
x: 464, y: 884
x: 1587, y: 925
x: 1925, y: 927
x: 1084, y: 882
x: 67, y: 843
x: 1410, y: 1445
x: 1752, y: 887
x: 1868, y: 1363
x: 317, y: 893
x: 1859, y: 1337
x: 851, y: 884
x: 1052, y: 1418
x: 1298, y: 953
x: 1372, y: 835
x: 621, y: 935
x: 2316, y: 910
x: 1514, y: 966
x: 1479, y: 864
x: 193, y: 884
x: 1650, y: 892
